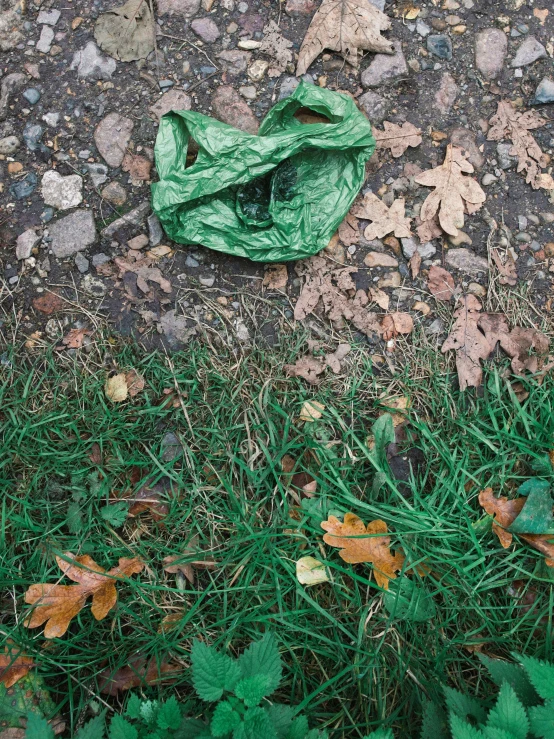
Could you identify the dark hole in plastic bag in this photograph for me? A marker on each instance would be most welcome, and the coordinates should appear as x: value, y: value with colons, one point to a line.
x: 254, y: 199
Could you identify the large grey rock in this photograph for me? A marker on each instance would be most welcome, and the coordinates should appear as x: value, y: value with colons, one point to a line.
x: 91, y: 65
x: 491, y: 47
x: 530, y: 50
x: 72, y: 233
x: 186, y: 8
x: 445, y: 97
x: 230, y: 108
x: 25, y: 243
x: 61, y: 192
x: 133, y: 218
x: 466, y: 261
x: 45, y: 41
x: 385, y: 67
x: 545, y: 91
x: 111, y: 137
x: 49, y: 17
x: 9, y: 145
x: 172, y: 100
x: 374, y: 106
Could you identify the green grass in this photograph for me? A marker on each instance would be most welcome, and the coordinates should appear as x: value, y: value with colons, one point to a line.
x: 350, y: 666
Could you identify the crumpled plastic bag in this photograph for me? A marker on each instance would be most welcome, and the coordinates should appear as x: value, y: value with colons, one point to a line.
x: 273, y: 197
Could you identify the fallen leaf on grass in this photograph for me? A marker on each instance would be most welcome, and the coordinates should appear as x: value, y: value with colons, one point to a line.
x: 311, y: 411
x: 397, y: 138
x: 170, y: 622
x: 468, y: 342
x: 508, y: 123
x: 127, y: 33
x: 396, y: 323
x: 173, y: 565
x: 308, y: 368
x: 135, y: 382
x: 517, y: 343
x: 349, y: 232
x: 147, y: 499
x: 74, y: 338
x: 48, y: 303
x: 452, y: 191
x: 507, y: 268
x: 137, y: 166
x: 346, y: 26
x: 13, y: 664
x: 116, y: 388
x: 385, y: 220
x: 58, y: 604
x: 310, y: 571
x: 275, y: 45
x: 440, y: 283
x: 359, y: 543
x: 276, y: 277
x: 145, y: 273
x: 95, y: 455
x: 139, y: 672
x: 333, y: 360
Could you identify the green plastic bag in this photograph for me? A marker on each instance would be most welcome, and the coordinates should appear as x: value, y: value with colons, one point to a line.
x: 273, y: 197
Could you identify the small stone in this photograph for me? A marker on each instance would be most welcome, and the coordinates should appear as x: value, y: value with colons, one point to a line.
x: 530, y: 50
x: 440, y: 45
x: 228, y: 5
x: 10, y: 83
x: 191, y: 262
x: 186, y: 67
x: 72, y: 233
x: 545, y: 91
x: 445, y: 96
x: 61, y: 192
x: 24, y: 187
x: 465, y: 139
x: 438, y: 24
x: 374, y: 106
x: 505, y: 159
x: 390, y: 279
x: 98, y: 173
x: 14, y: 167
x: 243, y: 334
x: 49, y: 17
x: 172, y: 100
x: 248, y: 91
x: 549, y: 249
x: 488, y: 179
x: 288, y: 86
x: 51, y: 119
x: 385, y: 67
x: 257, y: 70
x: 186, y: 8
x: 376, y: 259
x: 133, y: 218
x: 25, y: 243
x: 90, y: 64
x: 491, y: 47
x: 47, y: 215
x: 93, y: 286
x: 45, y: 41
x: 155, y: 232
x: 99, y: 259
x: 522, y: 222
x: 230, y: 108
x: 426, y: 251
x: 112, y: 136
x: 242, y: 7
x: 114, y: 193
x: 9, y: 145
x: 138, y: 242
x: 207, y: 281
x: 459, y: 29
x: 81, y: 262
x: 523, y: 238
x: 299, y: 7
x: 466, y: 261
x: 422, y: 29
x: 453, y: 20
x: 206, y: 29
x: 232, y: 28
x: 460, y: 238
x: 84, y: 154
x: 171, y: 447
x: 235, y: 61
x: 55, y: 50
x: 31, y: 95
x: 32, y: 134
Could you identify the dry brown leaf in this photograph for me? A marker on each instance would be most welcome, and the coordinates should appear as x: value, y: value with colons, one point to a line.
x: 144, y: 272
x: 170, y: 622
x: 147, y: 499
x: 452, y: 191
x: 397, y: 138
x: 351, y: 537
x: 428, y: 230
x: 275, y: 277
x: 508, y: 123
x: 380, y: 297
x: 139, y: 672
x: 333, y: 360
x: 385, y: 220
x: 13, y: 664
x: 517, y: 343
x: 48, y: 303
x: 311, y: 411
x: 74, y: 338
x: 415, y: 264
x: 396, y: 323
x: 440, y: 283
x: 349, y: 232
x: 542, y: 15
x: 95, y: 455
x: 346, y: 26
x: 128, y: 32
x: 468, y: 342
x: 137, y: 166
x: 135, y: 382
x: 275, y: 45
x: 174, y: 564
x: 507, y: 269
x: 58, y: 604
x: 308, y: 368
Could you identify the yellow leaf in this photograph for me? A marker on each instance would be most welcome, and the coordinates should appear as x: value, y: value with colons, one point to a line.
x: 310, y: 571
x: 311, y: 411
x: 116, y: 388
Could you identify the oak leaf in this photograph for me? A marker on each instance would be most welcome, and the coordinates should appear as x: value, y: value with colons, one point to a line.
x: 348, y: 230
x: 359, y: 543
x: 397, y: 138
x: 137, y: 166
x: 48, y: 303
x: 396, y: 323
x: 385, y: 220
x: 346, y: 26
x: 468, y: 342
x: 508, y: 123
x: 517, y: 343
x: 58, y: 604
x: 415, y: 264
x: 440, y: 283
x: 75, y: 337
x: 13, y: 664
x: 145, y: 273
x: 452, y: 191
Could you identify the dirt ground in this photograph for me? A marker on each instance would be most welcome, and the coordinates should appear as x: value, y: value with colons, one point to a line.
x: 210, y: 290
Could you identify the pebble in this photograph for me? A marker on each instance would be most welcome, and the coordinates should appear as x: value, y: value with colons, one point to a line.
x: 535, y: 246
x: 186, y: 67
x: 186, y: 8
x: 10, y: 83
x: 172, y: 100
x: 377, y: 259
x: 31, y: 95
x: 235, y: 61
x: 491, y: 47
x: 25, y: 243
x: 288, y: 86
x: 248, y: 91
x: 523, y: 237
x: 426, y: 251
x: 93, y: 286
x: 9, y: 145
x: 155, y: 232
x: 440, y: 45
x: 460, y: 238
x: 522, y: 223
x: 300, y: 7
x: 257, y: 71
x: 374, y: 106
x: 32, y: 134
x: 81, y: 262
x: 545, y: 91
x: 422, y: 29
x: 112, y: 136
x: 488, y: 179
x: 84, y: 154
x: 114, y: 193
x: 530, y: 50
x: 505, y: 159
x: 206, y: 29
x: 230, y: 108
x: 191, y: 262
x: 99, y: 259
x: 45, y: 41
x: 390, y: 279
x: 61, y: 192
x: 47, y: 215
x: 49, y: 17
x: 447, y: 93
x: 72, y: 233
x: 466, y: 261
x: 166, y: 84
x: 90, y: 64
x: 51, y: 119
x: 98, y: 173
x: 476, y: 289
x: 133, y: 218
x: 385, y: 67
x: 138, y: 242
x: 207, y: 281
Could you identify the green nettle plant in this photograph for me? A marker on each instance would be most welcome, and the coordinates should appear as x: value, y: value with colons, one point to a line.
x: 524, y: 707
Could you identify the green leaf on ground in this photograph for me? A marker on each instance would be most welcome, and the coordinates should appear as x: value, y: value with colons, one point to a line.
x: 262, y: 658
x: 407, y: 601
x: 38, y: 727
x: 212, y: 673
x: 541, y: 675
x: 120, y: 728
x: 169, y: 715
x: 542, y: 720
x: 501, y: 671
x: 509, y: 714
x: 533, y: 485
x: 464, y: 705
x: 435, y: 724
x: 225, y: 719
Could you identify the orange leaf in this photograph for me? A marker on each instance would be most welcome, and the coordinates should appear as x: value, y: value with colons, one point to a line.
x: 351, y: 537
x: 13, y: 664
x: 58, y: 604
x: 504, y: 511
